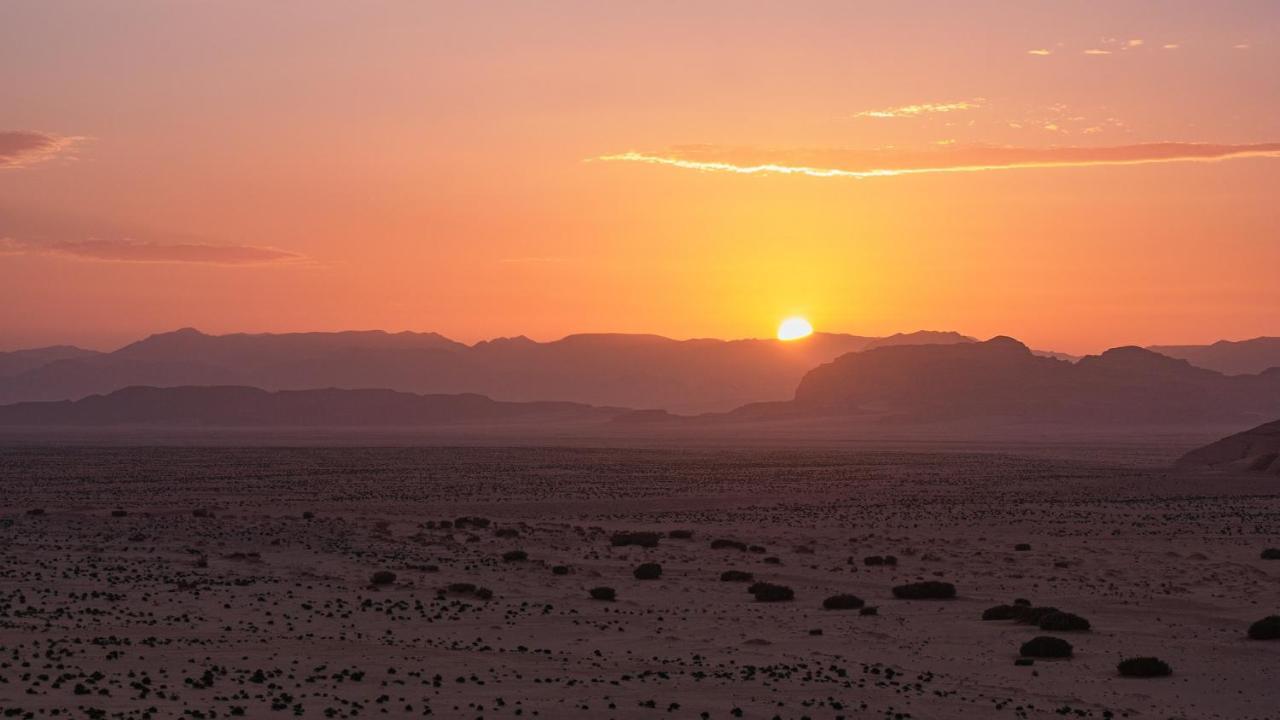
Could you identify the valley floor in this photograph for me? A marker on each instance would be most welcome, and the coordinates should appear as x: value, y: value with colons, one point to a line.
x: 211, y: 595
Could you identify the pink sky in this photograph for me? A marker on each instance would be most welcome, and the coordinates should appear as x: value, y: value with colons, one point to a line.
x: 1077, y: 175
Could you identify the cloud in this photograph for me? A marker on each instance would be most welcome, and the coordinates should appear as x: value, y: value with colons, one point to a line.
x: 138, y: 251
x: 1096, y: 51
x: 22, y: 148
x: 830, y: 162
x: 1040, y: 51
x: 921, y: 109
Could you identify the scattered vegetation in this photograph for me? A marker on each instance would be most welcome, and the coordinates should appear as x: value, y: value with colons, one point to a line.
x: 1271, y: 554
x: 1268, y: 628
x: 604, y: 593
x: 382, y: 577
x: 1144, y: 667
x: 843, y: 602
x: 1022, y: 547
x: 768, y: 592
x: 927, y: 590
x: 736, y: 576
x: 648, y: 571
x: 1063, y: 622
x: 559, y: 569
x: 723, y: 544
x: 641, y: 539
x: 680, y: 534
x: 1046, y: 646
x: 999, y: 612
x: 515, y: 556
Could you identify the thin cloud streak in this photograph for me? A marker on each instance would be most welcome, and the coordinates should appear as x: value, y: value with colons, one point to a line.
x: 136, y: 251
x: 889, y: 163
x: 920, y: 109
x: 23, y: 148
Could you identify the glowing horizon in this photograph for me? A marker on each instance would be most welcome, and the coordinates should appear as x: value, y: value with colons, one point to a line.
x: 695, y: 170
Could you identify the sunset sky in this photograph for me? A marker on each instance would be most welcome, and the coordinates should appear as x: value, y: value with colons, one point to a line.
x: 1077, y: 175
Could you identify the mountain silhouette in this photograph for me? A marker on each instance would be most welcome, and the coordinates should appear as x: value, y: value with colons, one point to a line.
x: 234, y: 406
x: 639, y: 371
x: 1243, y: 357
x: 1255, y: 450
x: 1002, y: 378
x: 19, y: 361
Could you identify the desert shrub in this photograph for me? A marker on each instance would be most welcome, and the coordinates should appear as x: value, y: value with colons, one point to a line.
x: 869, y: 610
x: 35, y: 512
x: 642, y: 539
x: 469, y: 521
x: 1046, y: 647
x: 515, y: 556
x: 1063, y: 622
x: 119, y: 513
x: 804, y: 550
x: 461, y: 588
x: 843, y: 602
x: 198, y: 512
x: 680, y: 534
x: 603, y: 593
x: 308, y: 515
x: 773, y: 561
x: 768, y: 592
x: 890, y: 560
x: 999, y: 612
x: 1268, y: 628
x: 873, y: 560
x: 1022, y: 547
x: 722, y: 544
x: 648, y: 571
x: 757, y: 549
x: 736, y: 576
x: 559, y: 569
x: 483, y: 593
x: 382, y: 577
x: 1023, y: 602
x: 506, y: 533
x: 1144, y: 667
x: 1271, y: 554
x: 927, y: 590
x: 1032, y: 615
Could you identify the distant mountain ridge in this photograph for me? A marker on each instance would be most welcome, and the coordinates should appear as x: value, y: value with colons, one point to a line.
x: 1002, y: 378
x: 1254, y: 450
x: 235, y: 406
x: 1242, y: 357
x: 640, y: 371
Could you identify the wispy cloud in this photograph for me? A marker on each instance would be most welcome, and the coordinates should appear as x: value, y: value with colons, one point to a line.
x: 1040, y: 51
x: 23, y: 148
x: 921, y: 109
x: 828, y: 163
x: 137, y: 251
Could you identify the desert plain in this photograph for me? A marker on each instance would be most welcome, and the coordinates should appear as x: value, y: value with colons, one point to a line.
x: 456, y: 582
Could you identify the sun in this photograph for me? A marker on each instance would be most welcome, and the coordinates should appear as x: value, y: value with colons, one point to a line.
x: 794, y: 328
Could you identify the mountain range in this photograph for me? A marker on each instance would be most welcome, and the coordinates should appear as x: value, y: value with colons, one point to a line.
x: 233, y: 406
x: 639, y: 371
x: 1003, y: 379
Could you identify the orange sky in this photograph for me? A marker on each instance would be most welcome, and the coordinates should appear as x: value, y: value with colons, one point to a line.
x: 688, y: 169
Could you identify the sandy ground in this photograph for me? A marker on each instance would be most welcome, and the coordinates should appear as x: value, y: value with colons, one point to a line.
x: 254, y: 610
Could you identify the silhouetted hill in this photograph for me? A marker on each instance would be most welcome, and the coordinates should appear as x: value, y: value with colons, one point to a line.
x: 20, y: 361
x: 233, y: 406
x: 641, y: 371
x: 1244, y: 357
x: 1255, y: 450
x: 1002, y: 378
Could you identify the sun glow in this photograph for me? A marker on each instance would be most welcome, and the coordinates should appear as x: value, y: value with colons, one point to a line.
x: 794, y: 328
